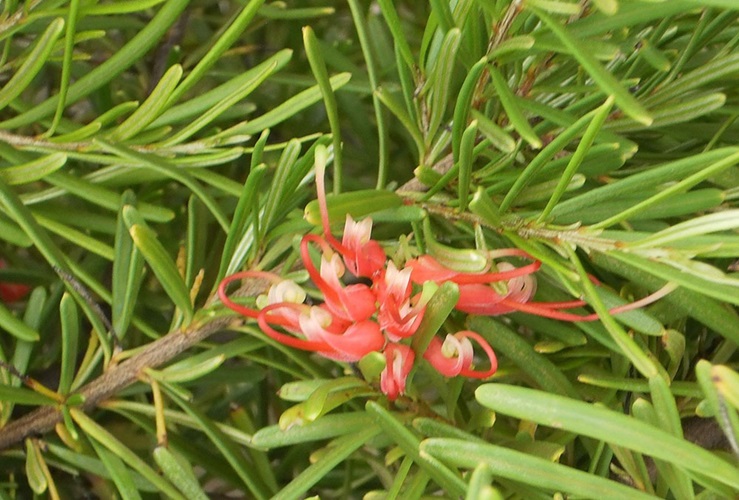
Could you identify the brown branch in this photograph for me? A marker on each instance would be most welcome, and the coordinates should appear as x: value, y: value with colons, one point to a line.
x: 111, y: 382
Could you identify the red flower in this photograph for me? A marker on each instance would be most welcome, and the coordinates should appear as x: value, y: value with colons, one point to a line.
x: 398, y: 364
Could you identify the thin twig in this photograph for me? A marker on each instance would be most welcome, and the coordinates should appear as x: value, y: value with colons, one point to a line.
x: 113, y: 381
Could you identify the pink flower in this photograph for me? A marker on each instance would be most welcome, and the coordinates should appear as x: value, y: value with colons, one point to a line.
x: 399, y: 317
x: 351, y: 303
x: 363, y: 256
x: 351, y: 344
x: 455, y: 355
x: 398, y: 364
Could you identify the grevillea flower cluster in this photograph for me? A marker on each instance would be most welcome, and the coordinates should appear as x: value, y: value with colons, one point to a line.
x: 377, y: 310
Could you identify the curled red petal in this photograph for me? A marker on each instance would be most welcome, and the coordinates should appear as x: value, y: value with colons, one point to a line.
x: 447, y: 366
x: 492, y: 359
x: 426, y: 268
x: 264, y: 319
x: 241, y: 309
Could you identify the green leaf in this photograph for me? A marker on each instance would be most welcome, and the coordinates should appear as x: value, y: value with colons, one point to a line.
x: 226, y: 101
x: 517, y: 350
x: 318, y: 67
x: 440, y: 80
x: 604, y: 424
x: 23, y: 396
x: 326, y: 427
x: 186, y: 370
x: 33, y: 170
x: 224, y: 40
x: 105, y: 438
x: 719, y: 221
x: 160, y: 262
x: 513, y: 111
x: 128, y: 272
x: 410, y: 444
x: 527, y: 469
x: 358, y: 204
x: 160, y: 165
x: 15, y: 326
x: 340, y: 450
x: 607, y: 82
x: 578, y: 156
x: 151, y: 108
x: 33, y: 63
x: 35, y: 468
x: 70, y: 338
x: 694, y: 278
x: 118, y: 472
x: 179, y: 472
x: 113, y: 66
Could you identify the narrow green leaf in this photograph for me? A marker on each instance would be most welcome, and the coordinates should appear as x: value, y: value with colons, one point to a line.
x: 70, y: 337
x: 556, y: 7
x: 604, y: 424
x: 285, y: 110
x: 711, y: 161
x: 326, y: 427
x: 179, y: 472
x: 15, y: 326
x: 128, y: 272
x: 34, y: 468
x: 186, y: 371
x: 94, y: 466
x: 318, y: 67
x: 513, y: 111
x: 105, y: 438
x: 719, y: 221
x: 35, y: 60
x: 682, y: 112
x: 104, y: 197
x: 716, y: 315
x: 160, y: 165
x: 466, y: 159
x: 645, y: 364
x: 160, y: 262
x: 440, y: 80
x: 395, y: 26
x: 340, y: 450
x: 225, y: 446
x: 517, y: 350
x: 496, y: 135
x: 21, y: 396
x: 694, y: 278
x: 578, y: 156
x: 356, y: 203
x: 248, y: 200
x: 397, y: 109
x: 118, y: 472
x: 151, y: 108
x: 33, y: 170
x: 537, y: 164
x: 126, y: 56
x: 603, y: 78
x: 410, y: 444
x: 223, y: 42
x: 225, y: 102
x: 527, y: 469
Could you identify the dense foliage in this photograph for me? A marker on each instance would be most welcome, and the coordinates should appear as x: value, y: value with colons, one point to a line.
x: 150, y: 149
